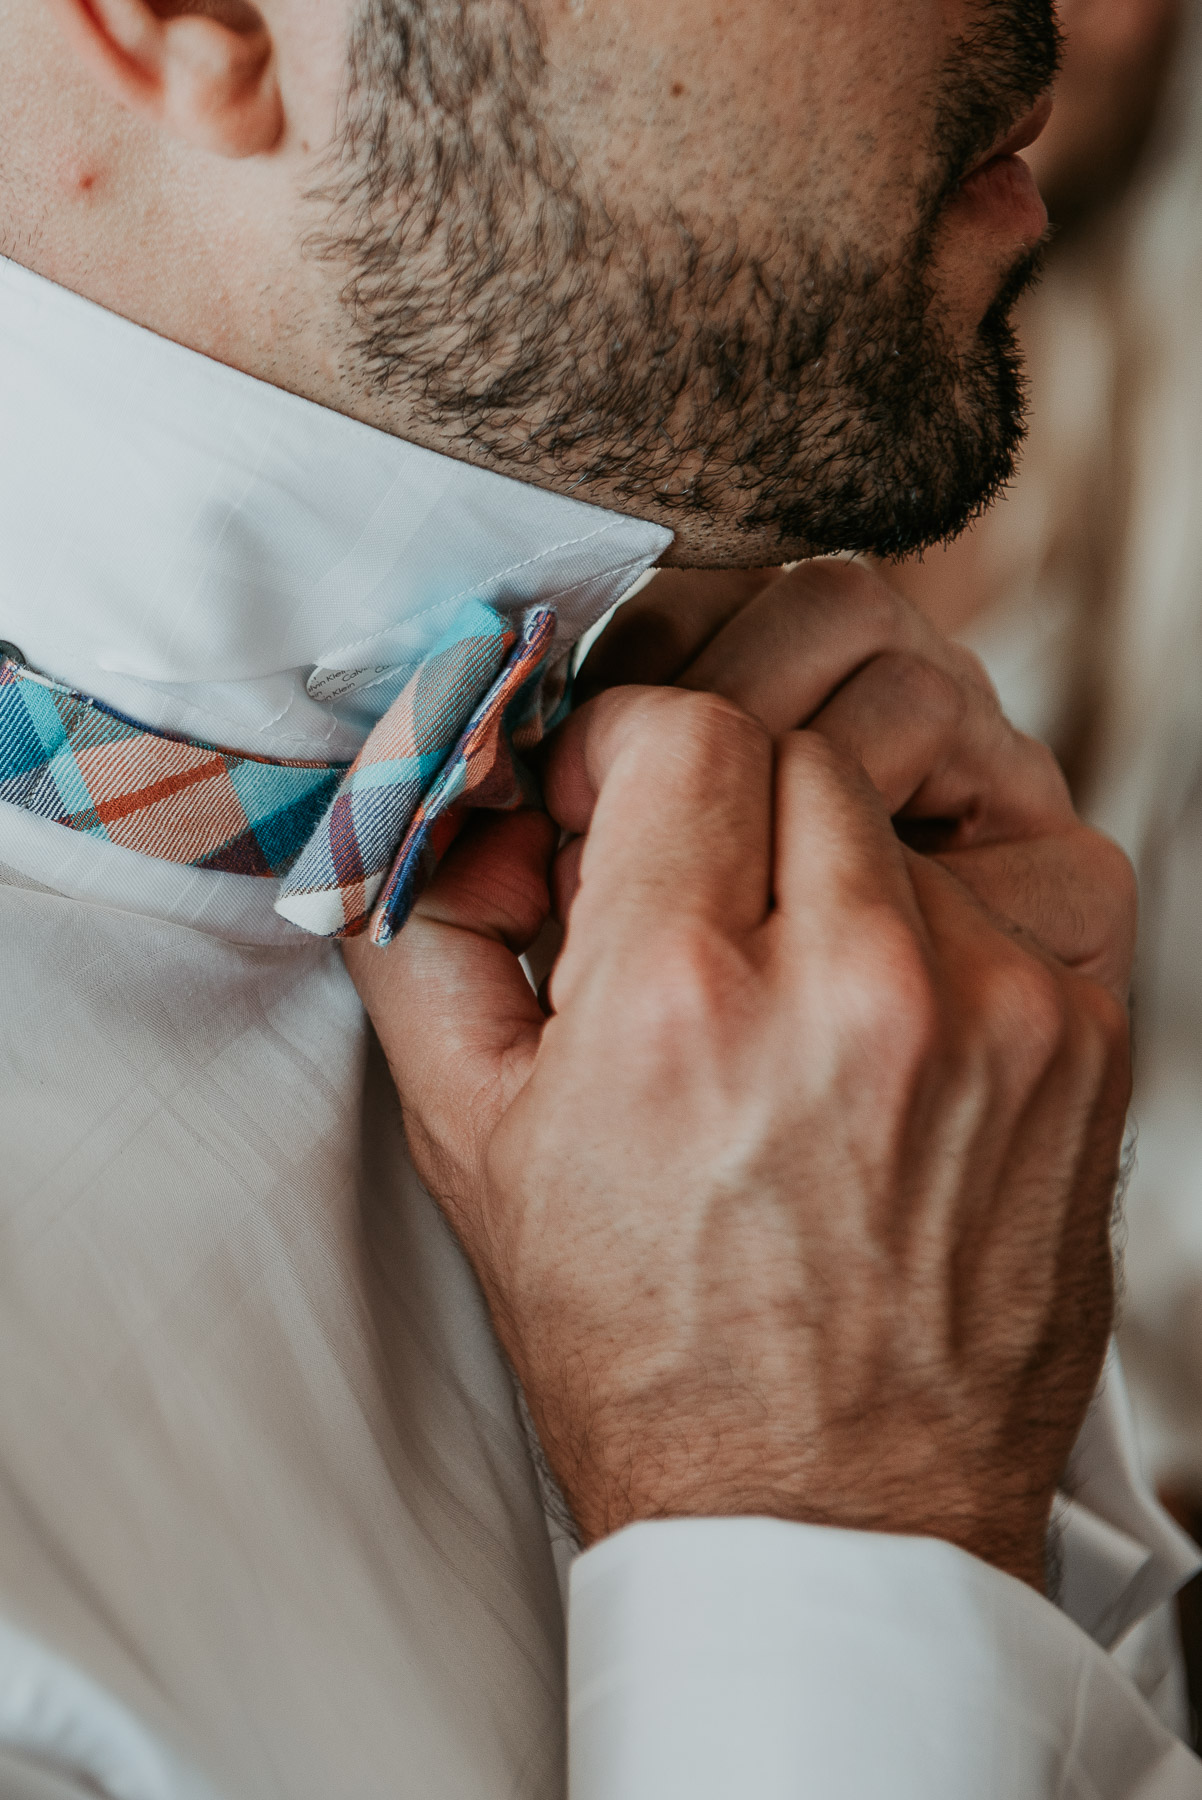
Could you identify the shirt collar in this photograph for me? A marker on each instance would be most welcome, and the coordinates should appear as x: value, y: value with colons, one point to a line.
x: 215, y: 556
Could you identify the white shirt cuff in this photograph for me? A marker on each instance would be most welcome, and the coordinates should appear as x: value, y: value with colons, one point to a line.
x: 755, y: 1658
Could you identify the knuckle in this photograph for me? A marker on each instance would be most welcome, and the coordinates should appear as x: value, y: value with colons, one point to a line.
x: 972, y: 671
x: 714, y: 723
x: 886, y: 983
x: 678, y: 986
x: 1098, y: 1055
x: 928, y: 691
x: 825, y: 760
x: 1104, y: 1018
x: 830, y: 772
x: 672, y: 720
x: 709, y: 713
x: 1026, y: 1010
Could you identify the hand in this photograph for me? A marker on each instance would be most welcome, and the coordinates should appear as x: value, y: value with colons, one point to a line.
x: 799, y: 1203
x: 832, y: 647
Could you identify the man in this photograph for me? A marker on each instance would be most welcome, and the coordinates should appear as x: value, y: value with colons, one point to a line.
x: 792, y: 1213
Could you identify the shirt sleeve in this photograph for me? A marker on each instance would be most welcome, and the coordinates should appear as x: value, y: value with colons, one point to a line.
x: 711, y: 1658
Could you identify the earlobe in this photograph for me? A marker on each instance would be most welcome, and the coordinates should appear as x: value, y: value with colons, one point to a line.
x: 207, y: 76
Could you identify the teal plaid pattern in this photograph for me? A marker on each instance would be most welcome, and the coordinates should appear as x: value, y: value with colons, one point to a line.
x: 451, y: 740
x: 355, y: 844
x: 83, y: 765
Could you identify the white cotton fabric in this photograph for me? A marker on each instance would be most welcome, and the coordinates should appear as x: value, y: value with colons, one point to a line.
x: 198, y: 549
x: 793, y: 1661
x: 269, y: 1524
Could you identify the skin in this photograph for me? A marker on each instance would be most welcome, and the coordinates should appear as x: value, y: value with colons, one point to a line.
x: 798, y: 1199
x: 200, y: 129
x: 797, y: 1202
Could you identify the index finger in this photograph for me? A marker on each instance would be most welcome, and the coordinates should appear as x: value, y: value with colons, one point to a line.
x: 675, y: 792
x: 784, y: 654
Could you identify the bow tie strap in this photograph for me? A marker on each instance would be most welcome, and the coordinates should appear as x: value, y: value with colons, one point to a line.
x: 356, y: 844
x: 81, y: 764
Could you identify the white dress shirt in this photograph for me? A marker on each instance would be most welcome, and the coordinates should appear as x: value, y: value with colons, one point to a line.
x: 269, y: 1524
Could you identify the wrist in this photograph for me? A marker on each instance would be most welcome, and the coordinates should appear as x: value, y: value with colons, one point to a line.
x: 1010, y: 1534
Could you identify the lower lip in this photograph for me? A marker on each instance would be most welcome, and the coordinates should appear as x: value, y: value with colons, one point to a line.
x: 1002, y: 197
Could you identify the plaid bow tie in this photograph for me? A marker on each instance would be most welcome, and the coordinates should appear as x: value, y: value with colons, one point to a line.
x: 355, y: 843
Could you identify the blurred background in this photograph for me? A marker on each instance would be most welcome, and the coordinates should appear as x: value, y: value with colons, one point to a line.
x: 1082, y: 592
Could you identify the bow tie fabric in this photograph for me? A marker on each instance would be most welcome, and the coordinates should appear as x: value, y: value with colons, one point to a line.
x: 355, y: 843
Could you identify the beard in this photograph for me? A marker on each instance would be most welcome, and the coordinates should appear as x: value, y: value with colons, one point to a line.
x: 800, y: 392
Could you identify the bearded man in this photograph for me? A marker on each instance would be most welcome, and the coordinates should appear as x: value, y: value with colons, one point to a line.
x: 753, y: 1278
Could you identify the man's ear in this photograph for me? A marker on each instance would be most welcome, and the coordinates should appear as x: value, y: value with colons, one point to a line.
x: 204, y: 70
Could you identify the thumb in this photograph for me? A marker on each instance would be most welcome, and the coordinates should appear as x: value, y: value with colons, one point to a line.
x: 450, y: 1002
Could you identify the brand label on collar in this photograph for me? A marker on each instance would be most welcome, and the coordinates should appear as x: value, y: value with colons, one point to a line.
x: 332, y: 684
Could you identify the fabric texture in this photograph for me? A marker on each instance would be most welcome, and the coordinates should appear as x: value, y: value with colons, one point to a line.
x: 719, y: 1657
x: 450, y: 741
x: 268, y: 1522
x: 70, y: 759
x: 219, y: 558
x: 357, y: 844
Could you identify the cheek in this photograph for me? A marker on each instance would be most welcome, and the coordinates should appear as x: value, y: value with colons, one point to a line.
x: 803, y: 119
